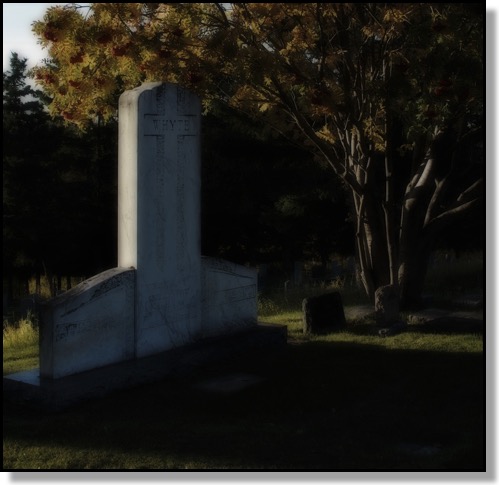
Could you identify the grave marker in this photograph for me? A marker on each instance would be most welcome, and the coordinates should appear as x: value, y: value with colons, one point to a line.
x: 159, y: 219
x: 128, y: 324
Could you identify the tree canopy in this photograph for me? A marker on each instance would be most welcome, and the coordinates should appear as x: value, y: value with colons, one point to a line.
x: 59, y: 197
x: 389, y: 95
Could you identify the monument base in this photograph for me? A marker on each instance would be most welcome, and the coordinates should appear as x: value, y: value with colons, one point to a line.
x: 27, y: 388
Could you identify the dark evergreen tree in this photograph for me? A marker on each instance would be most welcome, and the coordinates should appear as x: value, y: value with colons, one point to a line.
x: 25, y: 180
x: 59, y: 187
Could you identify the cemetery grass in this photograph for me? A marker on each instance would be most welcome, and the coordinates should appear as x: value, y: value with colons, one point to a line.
x: 345, y: 401
x: 20, y: 345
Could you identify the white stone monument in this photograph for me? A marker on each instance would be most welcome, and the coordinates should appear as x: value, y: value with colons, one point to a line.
x: 159, y: 210
x: 126, y: 325
x: 163, y: 294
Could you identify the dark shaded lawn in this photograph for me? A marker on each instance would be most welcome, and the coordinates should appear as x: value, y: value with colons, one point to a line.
x: 322, y: 405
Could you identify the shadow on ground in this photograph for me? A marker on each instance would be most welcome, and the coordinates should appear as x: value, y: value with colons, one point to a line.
x: 315, y: 405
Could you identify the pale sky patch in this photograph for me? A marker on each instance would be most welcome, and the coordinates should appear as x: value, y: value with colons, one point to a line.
x: 17, y: 34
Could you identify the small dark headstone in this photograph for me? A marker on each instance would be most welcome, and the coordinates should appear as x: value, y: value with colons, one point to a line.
x: 323, y: 314
x: 386, y: 305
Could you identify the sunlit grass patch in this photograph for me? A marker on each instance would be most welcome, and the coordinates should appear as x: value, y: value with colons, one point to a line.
x: 20, y: 345
x: 412, y: 340
x: 21, y: 334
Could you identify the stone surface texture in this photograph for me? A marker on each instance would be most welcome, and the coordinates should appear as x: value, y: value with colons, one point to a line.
x: 229, y: 302
x: 91, y: 325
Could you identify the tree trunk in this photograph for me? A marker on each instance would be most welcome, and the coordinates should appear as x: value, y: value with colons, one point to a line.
x: 414, y: 245
x: 378, y: 260
x: 389, y: 253
x: 372, y: 251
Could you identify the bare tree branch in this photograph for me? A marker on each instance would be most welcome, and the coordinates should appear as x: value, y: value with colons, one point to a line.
x: 471, y: 190
x: 449, y: 215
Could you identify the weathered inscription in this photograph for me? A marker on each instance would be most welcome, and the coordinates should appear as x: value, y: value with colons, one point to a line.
x: 241, y: 293
x: 64, y: 331
x: 156, y: 125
